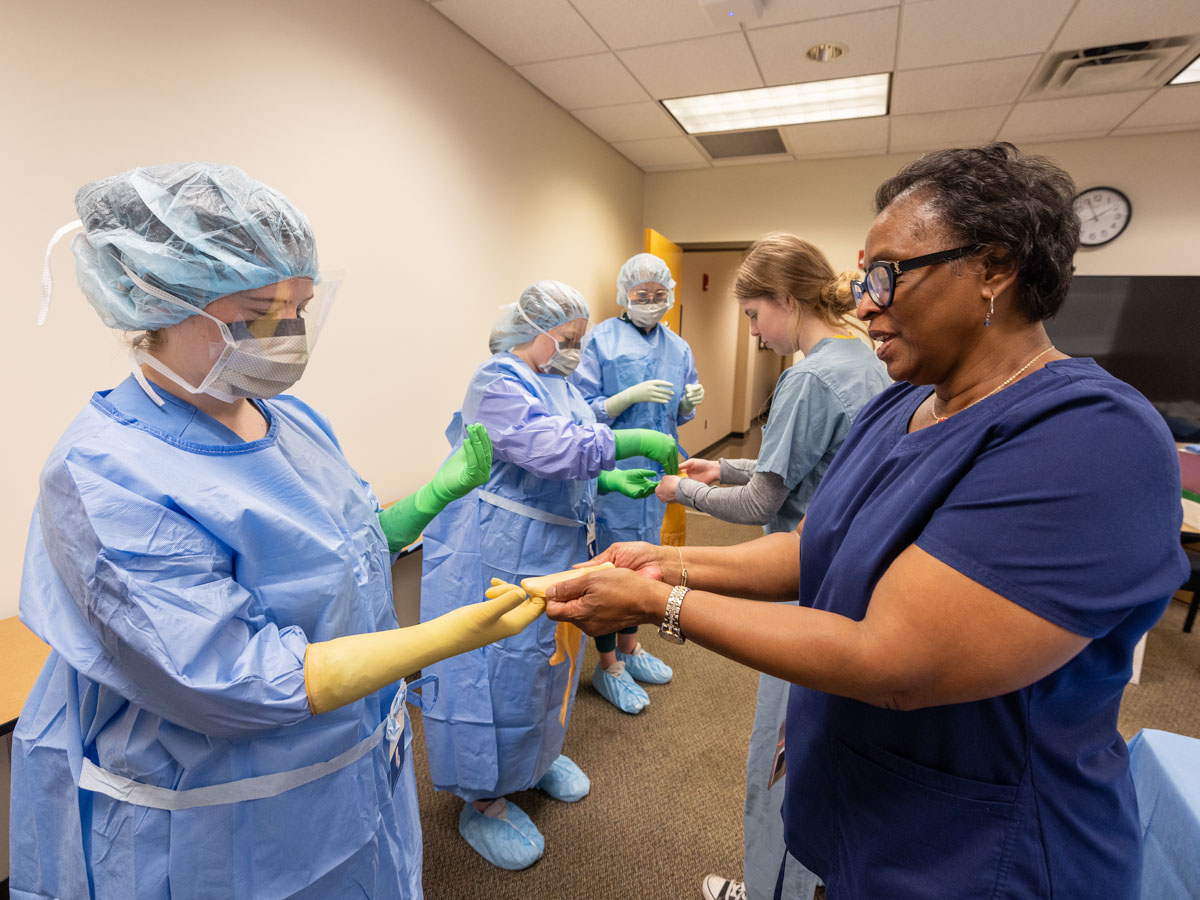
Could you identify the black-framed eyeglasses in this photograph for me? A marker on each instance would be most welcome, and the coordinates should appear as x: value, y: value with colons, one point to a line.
x: 880, y: 281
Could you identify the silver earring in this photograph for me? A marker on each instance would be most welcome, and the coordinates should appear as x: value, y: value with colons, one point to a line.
x: 987, y: 320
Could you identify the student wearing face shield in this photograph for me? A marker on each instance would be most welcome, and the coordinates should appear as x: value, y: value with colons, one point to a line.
x: 502, y: 715
x: 636, y: 373
x: 222, y: 713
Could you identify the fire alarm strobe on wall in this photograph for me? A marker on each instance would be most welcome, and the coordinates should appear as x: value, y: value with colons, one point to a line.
x: 723, y: 12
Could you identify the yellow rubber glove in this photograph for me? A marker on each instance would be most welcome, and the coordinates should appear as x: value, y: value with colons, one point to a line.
x: 567, y: 637
x: 349, y: 668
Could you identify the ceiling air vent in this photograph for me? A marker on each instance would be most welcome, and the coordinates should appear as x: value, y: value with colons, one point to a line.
x: 731, y: 144
x: 1104, y: 70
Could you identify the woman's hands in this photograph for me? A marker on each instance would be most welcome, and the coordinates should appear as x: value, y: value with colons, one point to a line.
x: 666, y: 488
x: 607, y: 601
x: 637, y: 556
x: 706, y: 471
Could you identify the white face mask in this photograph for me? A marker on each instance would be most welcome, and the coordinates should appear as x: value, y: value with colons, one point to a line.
x: 647, y: 315
x: 565, y: 359
x: 245, y: 365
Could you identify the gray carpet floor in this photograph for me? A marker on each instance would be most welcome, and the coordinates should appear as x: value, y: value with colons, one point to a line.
x: 667, y: 785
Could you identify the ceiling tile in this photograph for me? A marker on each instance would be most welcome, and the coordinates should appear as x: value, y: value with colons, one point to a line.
x: 1070, y: 117
x: 597, y: 80
x: 780, y: 12
x: 677, y: 152
x: 637, y: 23
x: 1173, y: 105
x: 932, y: 131
x: 966, y: 85
x: 851, y: 137
x: 943, y: 32
x: 524, y: 32
x: 1096, y: 23
x: 629, y: 121
x: 702, y: 66
x: 870, y: 38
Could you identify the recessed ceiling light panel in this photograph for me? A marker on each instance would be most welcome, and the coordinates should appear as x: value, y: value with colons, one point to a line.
x: 790, y: 104
x: 1189, y: 75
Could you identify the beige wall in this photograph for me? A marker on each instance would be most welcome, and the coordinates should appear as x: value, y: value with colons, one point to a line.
x: 710, y: 326
x: 830, y: 201
x: 437, y: 178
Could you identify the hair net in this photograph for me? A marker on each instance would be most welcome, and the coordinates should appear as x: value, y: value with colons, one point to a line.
x: 196, y: 230
x: 640, y: 269
x: 547, y: 304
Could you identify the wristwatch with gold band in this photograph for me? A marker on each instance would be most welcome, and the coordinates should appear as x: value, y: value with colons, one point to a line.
x: 669, y: 629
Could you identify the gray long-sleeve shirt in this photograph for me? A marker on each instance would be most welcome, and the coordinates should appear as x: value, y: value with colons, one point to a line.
x: 751, y: 499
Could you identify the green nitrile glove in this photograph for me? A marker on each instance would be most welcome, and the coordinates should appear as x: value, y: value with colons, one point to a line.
x: 649, y: 443
x: 466, y: 469
x: 635, y: 483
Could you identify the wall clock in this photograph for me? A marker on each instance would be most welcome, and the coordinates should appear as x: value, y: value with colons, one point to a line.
x: 1103, y: 214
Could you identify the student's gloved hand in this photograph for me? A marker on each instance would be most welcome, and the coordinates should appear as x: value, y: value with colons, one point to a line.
x: 349, y: 668
x: 654, y: 391
x: 649, y: 443
x: 635, y: 483
x: 467, y: 468
x: 693, y: 396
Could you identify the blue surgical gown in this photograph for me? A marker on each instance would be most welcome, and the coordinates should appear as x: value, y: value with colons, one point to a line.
x: 495, y: 728
x: 616, y: 355
x: 178, y: 574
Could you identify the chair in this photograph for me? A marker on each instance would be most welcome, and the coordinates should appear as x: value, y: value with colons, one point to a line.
x: 1193, y: 585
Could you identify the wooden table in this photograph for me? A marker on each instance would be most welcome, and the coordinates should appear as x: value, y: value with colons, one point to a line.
x: 22, y: 655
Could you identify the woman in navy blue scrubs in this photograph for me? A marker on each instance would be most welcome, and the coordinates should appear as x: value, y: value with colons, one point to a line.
x: 995, y: 535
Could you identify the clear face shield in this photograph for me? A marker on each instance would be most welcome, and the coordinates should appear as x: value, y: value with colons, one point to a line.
x: 567, y: 351
x: 267, y: 336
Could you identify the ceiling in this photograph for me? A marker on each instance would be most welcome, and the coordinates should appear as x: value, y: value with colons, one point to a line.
x: 965, y: 71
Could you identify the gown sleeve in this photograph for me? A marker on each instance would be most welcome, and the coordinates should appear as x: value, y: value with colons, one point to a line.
x: 588, y: 378
x: 526, y: 433
x: 143, y: 600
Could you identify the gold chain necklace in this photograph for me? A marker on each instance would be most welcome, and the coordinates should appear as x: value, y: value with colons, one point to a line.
x: 1001, y: 386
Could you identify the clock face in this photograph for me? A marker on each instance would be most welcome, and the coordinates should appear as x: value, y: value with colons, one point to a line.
x: 1103, y: 214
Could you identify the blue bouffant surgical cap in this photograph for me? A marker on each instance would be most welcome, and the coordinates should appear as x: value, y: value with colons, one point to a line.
x: 547, y: 304
x: 196, y: 230
x: 645, y: 267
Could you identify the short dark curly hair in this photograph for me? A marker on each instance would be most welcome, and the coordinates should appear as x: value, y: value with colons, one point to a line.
x: 1019, y: 206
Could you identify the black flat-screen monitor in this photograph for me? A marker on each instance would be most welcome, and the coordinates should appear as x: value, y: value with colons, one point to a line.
x: 1145, y: 330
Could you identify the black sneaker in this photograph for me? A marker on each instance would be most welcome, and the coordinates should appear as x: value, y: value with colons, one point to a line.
x: 717, y: 888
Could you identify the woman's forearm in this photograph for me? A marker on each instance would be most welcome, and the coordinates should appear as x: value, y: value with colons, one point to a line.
x: 767, y: 568
x: 813, y: 648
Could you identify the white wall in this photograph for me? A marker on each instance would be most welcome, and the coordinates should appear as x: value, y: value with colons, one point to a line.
x: 829, y: 202
x: 440, y: 180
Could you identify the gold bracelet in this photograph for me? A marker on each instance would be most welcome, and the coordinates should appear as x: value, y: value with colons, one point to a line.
x: 682, y: 570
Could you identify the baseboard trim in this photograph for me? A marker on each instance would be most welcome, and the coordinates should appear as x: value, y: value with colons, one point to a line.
x: 703, y: 454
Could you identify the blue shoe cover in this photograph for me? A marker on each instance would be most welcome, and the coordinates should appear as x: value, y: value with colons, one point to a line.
x: 620, y: 689
x: 644, y: 667
x: 565, y: 781
x: 507, y: 839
